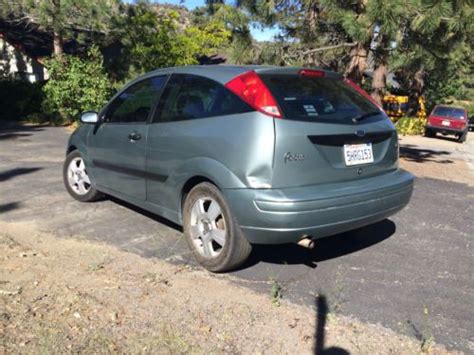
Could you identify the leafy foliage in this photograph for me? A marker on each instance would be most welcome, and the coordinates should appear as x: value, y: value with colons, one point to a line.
x: 75, y: 85
x: 239, y: 45
x: 151, y: 41
x: 408, y: 126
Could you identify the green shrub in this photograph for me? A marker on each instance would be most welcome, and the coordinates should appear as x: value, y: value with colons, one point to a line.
x: 410, y: 126
x: 19, y: 99
x: 75, y: 85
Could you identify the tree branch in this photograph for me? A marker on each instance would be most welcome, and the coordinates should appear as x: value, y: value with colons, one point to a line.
x: 327, y: 48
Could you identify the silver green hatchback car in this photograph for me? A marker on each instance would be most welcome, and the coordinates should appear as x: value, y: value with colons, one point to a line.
x: 242, y: 155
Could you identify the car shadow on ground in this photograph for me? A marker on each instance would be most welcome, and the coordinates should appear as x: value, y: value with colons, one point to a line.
x: 325, y: 248
x: 10, y: 174
x: 446, y: 138
x: 145, y: 213
x: 290, y: 254
x: 14, y: 130
x: 421, y: 155
x: 7, y: 207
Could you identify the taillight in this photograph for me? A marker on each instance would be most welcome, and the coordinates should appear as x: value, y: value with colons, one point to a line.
x: 312, y: 73
x: 250, y: 88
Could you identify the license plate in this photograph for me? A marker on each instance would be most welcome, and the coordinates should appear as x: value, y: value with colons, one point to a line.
x: 355, y: 154
x: 446, y: 123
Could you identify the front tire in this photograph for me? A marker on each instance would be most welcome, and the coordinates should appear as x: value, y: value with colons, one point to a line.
x: 77, y: 180
x: 212, y: 232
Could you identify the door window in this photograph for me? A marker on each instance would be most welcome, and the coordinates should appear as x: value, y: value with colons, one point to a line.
x: 134, y: 104
x: 189, y: 97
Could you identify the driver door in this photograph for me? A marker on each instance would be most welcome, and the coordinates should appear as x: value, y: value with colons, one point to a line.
x: 118, y: 144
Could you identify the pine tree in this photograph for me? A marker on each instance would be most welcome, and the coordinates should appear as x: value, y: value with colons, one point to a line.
x: 60, y: 17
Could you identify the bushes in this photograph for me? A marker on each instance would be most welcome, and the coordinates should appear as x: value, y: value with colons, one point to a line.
x: 409, y: 126
x: 75, y: 85
x: 19, y: 99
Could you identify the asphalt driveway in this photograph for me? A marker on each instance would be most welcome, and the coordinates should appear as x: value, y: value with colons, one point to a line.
x: 412, y: 273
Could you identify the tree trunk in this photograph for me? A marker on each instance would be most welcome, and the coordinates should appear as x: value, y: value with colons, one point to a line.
x: 419, y: 81
x: 419, y: 87
x: 57, y: 36
x: 311, y: 15
x: 58, y: 44
x: 358, y: 63
x: 379, y: 79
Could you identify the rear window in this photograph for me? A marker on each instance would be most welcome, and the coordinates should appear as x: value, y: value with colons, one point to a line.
x: 449, y: 112
x: 317, y: 99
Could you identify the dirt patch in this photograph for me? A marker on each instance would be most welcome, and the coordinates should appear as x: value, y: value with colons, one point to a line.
x: 455, y: 170
x: 438, y: 158
x: 59, y: 295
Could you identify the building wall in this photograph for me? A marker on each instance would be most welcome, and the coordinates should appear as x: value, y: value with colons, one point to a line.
x: 16, y: 64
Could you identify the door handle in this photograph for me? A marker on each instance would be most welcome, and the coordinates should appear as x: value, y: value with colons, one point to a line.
x: 134, y: 136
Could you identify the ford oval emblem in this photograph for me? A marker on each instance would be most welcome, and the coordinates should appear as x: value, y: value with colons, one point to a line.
x: 360, y: 133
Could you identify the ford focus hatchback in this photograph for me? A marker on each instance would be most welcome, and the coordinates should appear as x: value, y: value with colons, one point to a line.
x: 242, y: 155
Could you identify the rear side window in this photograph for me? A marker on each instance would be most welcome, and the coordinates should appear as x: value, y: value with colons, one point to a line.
x: 449, y: 112
x: 188, y: 97
x: 134, y: 104
x: 317, y: 99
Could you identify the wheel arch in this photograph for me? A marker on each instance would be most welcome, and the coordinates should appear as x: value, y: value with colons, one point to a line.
x: 70, y: 149
x: 190, y: 184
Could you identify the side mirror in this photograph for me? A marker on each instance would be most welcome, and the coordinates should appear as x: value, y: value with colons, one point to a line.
x: 89, y: 117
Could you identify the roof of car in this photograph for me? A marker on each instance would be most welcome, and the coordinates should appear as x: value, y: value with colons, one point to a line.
x: 224, y: 73
x: 449, y: 106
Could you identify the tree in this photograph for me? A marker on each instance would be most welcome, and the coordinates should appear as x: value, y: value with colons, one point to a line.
x: 373, y: 27
x: 435, y: 53
x: 61, y: 17
x: 234, y: 20
x: 318, y: 32
x: 151, y: 41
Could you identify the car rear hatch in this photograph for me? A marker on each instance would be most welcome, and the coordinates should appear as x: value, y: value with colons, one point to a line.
x: 328, y: 131
x: 448, y: 118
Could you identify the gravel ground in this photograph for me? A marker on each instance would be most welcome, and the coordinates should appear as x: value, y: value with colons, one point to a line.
x: 67, y: 296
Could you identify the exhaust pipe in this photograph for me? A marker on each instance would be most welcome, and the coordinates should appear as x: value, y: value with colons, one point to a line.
x: 307, y: 243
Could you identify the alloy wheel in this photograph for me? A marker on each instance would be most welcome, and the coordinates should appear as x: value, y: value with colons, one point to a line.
x: 208, y: 227
x: 77, y: 176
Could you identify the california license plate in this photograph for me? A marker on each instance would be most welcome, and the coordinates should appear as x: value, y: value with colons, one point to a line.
x: 446, y: 123
x: 356, y: 154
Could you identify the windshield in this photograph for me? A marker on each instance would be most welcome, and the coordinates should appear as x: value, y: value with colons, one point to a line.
x: 451, y: 112
x: 317, y: 99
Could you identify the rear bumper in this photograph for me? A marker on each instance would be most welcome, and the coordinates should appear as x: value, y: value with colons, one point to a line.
x: 446, y: 130
x: 275, y: 216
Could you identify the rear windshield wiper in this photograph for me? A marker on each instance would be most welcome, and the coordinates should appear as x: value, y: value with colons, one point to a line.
x: 364, y: 116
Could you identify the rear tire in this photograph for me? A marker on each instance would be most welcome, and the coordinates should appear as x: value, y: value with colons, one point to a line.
x: 76, y: 179
x: 211, y: 230
x: 462, y: 137
x: 429, y: 133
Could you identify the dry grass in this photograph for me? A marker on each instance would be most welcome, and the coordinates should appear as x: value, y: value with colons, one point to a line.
x: 69, y: 296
